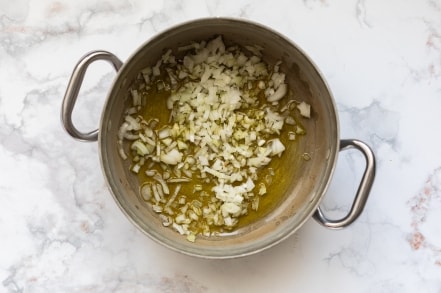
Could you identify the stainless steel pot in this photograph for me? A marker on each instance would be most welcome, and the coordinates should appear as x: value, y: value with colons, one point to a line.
x: 302, y: 184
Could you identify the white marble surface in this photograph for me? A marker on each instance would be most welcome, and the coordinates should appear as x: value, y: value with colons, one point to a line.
x: 61, y: 231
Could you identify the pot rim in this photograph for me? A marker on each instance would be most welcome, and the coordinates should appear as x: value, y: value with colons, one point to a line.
x: 226, y: 254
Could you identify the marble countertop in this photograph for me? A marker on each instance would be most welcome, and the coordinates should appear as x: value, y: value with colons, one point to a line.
x: 61, y: 230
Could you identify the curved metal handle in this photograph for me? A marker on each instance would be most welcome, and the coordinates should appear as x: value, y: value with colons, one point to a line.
x: 73, y: 88
x: 363, y: 189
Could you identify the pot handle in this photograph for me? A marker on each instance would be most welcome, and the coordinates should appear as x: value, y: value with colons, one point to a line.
x: 363, y: 189
x: 73, y: 88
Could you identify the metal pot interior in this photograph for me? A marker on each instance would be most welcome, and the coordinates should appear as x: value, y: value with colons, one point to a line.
x: 301, y: 184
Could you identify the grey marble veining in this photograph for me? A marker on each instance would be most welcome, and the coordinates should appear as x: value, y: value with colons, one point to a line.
x: 61, y: 231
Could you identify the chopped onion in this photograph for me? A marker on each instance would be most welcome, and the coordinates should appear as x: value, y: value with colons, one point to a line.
x: 289, y: 120
x: 163, y: 133
x: 219, y: 133
x: 291, y: 135
x: 174, y: 195
x: 146, y: 192
x: 156, y: 193
x: 305, y: 109
x: 258, y: 161
x: 279, y: 93
x: 276, y: 147
x: 161, y: 181
x: 171, y: 158
x: 151, y: 173
x: 178, y: 180
x: 230, y: 208
x: 178, y: 228
x: 121, y: 150
x: 136, y: 98
x: 136, y: 168
x: 262, y: 189
x: 140, y: 148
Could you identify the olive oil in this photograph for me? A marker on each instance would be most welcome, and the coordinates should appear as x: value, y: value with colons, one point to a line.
x: 154, y: 106
x: 207, y: 139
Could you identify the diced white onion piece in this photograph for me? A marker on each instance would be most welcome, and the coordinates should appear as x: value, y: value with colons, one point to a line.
x: 171, y: 158
x: 157, y: 208
x: 146, y: 192
x: 255, y: 203
x: 215, y: 173
x: 178, y: 180
x: 187, y: 173
x: 133, y: 124
x: 151, y: 173
x: 289, y: 120
x: 161, y: 181
x: 178, y: 228
x: 276, y: 146
x: 155, y: 69
x: 169, y: 143
x: 180, y: 219
x: 121, y: 150
x: 279, y: 93
x: 278, y: 79
x: 230, y: 221
x: 136, y: 98
x: 249, y: 185
x: 182, y: 145
x: 188, y: 63
x: 230, y: 208
x: 165, y: 219
x: 140, y: 148
x: 160, y: 191
x: 203, y: 161
x: 191, y: 237
x: 156, y: 193
x: 174, y: 195
x: 182, y: 200
x: 300, y: 130
x: 258, y: 161
x: 262, y: 189
x: 305, y: 109
x: 163, y: 133
x: 153, y: 123
x: 146, y: 78
x: 136, y: 168
x: 229, y: 193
